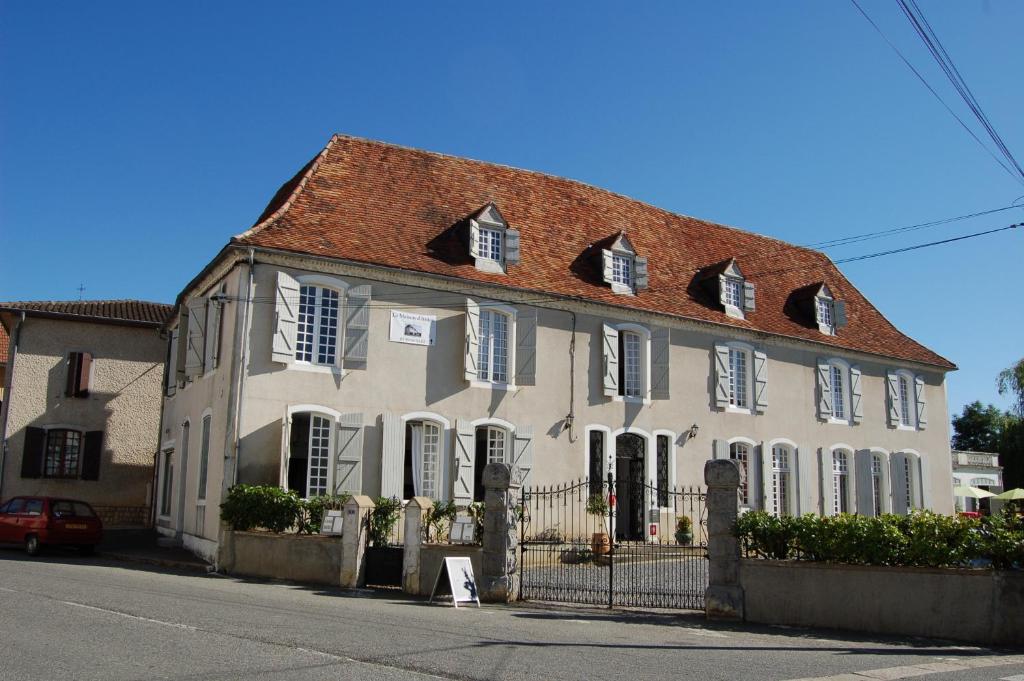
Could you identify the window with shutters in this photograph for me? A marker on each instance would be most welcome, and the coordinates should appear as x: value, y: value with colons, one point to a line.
x: 840, y: 481
x: 733, y: 292
x: 204, y: 458
x: 63, y: 453
x: 492, y: 243
x: 736, y: 295
x: 877, y: 483
x: 826, y: 316
x: 422, y: 475
x: 626, y: 369
x: 493, y: 360
x: 740, y: 452
x: 739, y: 378
x: 489, y: 244
x: 781, y: 480
x: 167, y: 485
x: 79, y: 374
x: 631, y: 364
x: 906, y: 389
x: 310, y: 443
x: 492, y: 446
x: 838, y: 393
x: 316, y: 339
x: 622, y: 268
x: 840, y: 386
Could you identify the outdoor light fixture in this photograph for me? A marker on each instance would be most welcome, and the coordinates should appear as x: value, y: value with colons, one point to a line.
x: 693, y: 431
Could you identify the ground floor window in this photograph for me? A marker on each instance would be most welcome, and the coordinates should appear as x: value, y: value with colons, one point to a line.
x: 63, y: 452
x: 165, y: 492
x: 840, y: 482
x: 876, y: 483
x: 422, y: 459
x: 491, y: 447
x: 781, y: 480
x: 309, y: 454
x: 595, y: 465
x: 661, y: 463
x: 740, y: 452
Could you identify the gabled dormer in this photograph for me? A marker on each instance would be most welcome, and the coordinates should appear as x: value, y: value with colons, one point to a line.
x: 493, y: 245
x: 725, y: 281
x: 821, y: 307
x: 622, y: 268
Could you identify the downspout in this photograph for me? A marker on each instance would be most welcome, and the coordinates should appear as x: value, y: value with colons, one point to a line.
x: 243, y: 366
x: 570, y: 418
x: 8, y: 383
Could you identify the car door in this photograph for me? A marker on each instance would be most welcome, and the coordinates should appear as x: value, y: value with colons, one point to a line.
x: 9, y: 514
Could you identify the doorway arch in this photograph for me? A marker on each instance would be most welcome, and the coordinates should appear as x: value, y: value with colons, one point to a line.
x: 630, y: 476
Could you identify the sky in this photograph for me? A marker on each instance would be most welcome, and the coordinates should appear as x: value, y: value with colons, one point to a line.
x: 137, y: 138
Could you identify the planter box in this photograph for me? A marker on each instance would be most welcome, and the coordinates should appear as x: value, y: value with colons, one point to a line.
x: 980, y: 606
x: 314, y: 559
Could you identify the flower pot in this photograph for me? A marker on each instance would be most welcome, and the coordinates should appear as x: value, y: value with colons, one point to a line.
x: 684, y: 537
x: 600, y: 544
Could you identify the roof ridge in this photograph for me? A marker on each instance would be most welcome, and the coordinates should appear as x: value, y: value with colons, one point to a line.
x: 87, y: 300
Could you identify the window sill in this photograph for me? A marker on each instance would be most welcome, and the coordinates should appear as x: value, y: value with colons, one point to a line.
x: 839, y: 422
x: 911, y: 429
x: 738, y: 410
x: 622, y: 289
x: 733, y: 311
x: 490, y: 266
x: 316, y: 368
x: 631, y: 400
x: 507, y: 387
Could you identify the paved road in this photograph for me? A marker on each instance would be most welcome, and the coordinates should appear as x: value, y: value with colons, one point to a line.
x: 64, y: 617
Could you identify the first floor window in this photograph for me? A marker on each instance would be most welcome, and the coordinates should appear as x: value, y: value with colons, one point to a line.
x: 595, y: 468
x: 838, y: 392
x: 740, y: 452
x: 493, y: 355
x: 317, y: 332
x: 165, y: 492
x: 662, y: 457
x: 491, y: 447
x: 63, y: 452
x: 309, y: 454
x: 780, y: 481
x: 422, y: 459
x: 630, y: 371
x: 738, y: 384
x: 876, y: 483
x: 204, y: 457
x: 906, y: 419
x: 840, y: 482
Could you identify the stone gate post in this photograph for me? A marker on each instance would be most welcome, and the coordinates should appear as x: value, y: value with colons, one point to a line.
x: 415, y: 515
x: 499, y: 582
x: 724, y: 596
x: 355, y: 536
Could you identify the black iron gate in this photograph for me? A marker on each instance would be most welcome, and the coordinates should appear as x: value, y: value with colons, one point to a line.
x: 575, y: 549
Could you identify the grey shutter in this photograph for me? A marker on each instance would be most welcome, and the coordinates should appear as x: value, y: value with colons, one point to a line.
x: 640, y: 280
x: 922, y: 407
x: 348, y: 477
x: 92, y: 453
x: 474, y: 239
x: 767, y: 496
x: 721, y: 375
x: 606, y: 265
x: 760, y: 381
x: 898, y: 477
x: 804, y: 474
x: 892, y: 397
x: 856, y: 406
x: 472, y: 339
x: 286, y: 449
x: 196, y: 350
x: 839, y: 309
x: 661, y: 343
x: 357, y: 326
x: 392, y: 457
x: 749, y: 294
x: 465, y: 448
x: 828, y: 492
x: 610, y: 348
x: 824, y: 390
x: 33, y: 452
x: 511, y: 246
x: 286, y: 318
x: 721, y: 289
x: 180, y: 348
x: 864, y: 483
x: 523, y: 452
x: 171, y: 373
x: 526, y: 346
x: 720, y: 449
x: 214, y: 310
x: 922, y: 493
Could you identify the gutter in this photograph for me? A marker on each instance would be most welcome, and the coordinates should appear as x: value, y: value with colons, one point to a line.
x: 8, y: 382
x: 243, y: 369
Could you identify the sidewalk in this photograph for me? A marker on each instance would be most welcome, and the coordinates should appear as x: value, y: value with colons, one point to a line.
x: 142, y: 546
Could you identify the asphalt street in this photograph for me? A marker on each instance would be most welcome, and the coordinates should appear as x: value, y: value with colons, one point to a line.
x: 65, y: 617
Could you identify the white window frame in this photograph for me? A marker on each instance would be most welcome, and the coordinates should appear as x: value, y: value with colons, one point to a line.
x: 747, y: 352
x: 845, y: 393
x: 341, y: 287
x: 748, y: 470
x: 511, y: 341
x: 645, y: 363
x: 444, y: 453
x: 334, y: 417
x: 825, y: 313
x: 787, y: 483
x: 623, y: 269
x: 846, y: 470
x: 490, y: 243
x: 908, y: 408
x: 733, y: 293
x: 915, y: 485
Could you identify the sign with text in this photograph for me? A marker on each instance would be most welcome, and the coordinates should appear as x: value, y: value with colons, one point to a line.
x: 331, y: 523
x: 415, y: 329
x: 455, y: 576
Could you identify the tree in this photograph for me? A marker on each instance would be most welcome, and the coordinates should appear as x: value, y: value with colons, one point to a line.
x: 1011, y: 452
x: 978, y: 428
x: 1011, y: 380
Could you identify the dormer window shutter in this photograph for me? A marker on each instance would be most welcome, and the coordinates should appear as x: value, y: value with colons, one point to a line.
x: 607, y: 267
x: 640, y: 272
x: 824, y: 390
x: 840, y: 312
x: 511, y: 246
x: 722, y: 297
x: 748, y: 296
x: 474, y: 239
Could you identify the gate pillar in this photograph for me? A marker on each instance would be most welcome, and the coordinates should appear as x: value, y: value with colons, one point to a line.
x: 415, y: 515
x: 355, y: 525
x: 499, y: 581
x: 724, y: 596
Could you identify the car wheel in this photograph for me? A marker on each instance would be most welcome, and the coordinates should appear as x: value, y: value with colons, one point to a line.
x: 87, y: 550
x: 32, y: 545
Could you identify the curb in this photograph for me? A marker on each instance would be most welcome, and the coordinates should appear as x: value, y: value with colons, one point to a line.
x: 160, y: 562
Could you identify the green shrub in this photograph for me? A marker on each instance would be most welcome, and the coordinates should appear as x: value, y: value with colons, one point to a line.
x: 249, y: 507
x: 438, y: 519
x: 311, y: 511
x: 476, y: 511
x: 383, y: 518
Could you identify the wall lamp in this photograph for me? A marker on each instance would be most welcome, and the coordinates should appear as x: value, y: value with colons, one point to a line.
x: 693, y: 431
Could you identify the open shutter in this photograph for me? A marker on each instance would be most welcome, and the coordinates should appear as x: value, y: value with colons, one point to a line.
x: 892, y: 397
x: 523, y: 452
x: 170, y: 373
x: 804, y: 475
x: 721, y: 290
x: 610, y: 348
x: 71, y: 378
x: 855, y: 395
x: 348, y: 478
x: 606, y: 266
x: 196, y: 337
x: 286, y: 453
x: 357, y: 326
x: 824, y: 390
x: 286, y: 318
x: 213, y: 316
x: 828, y: 492
x: 474, y: 239
x: 92, y: 453
x: 84, y: 375
x: 661, y: 343
x: 392, y: 466
x: 526, y: 346
x: 765, y: 478
x: 472, y: 339
x: 749, y: 294
x: 721, y: 375
x: 760, y: 381
x: 33, y: 453
x: 840, y: 312
x: 511, y: 246
x: 181, y: 334
x: 720, y: 449
x: 465, y: 448
x: 864, y: 483
x: 922, y: 407
x: 640, y: 279
x: 898, y: 476
x: 922, y: 492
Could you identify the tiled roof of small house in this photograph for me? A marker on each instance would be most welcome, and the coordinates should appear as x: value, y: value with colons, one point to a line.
x: 139, y: 312
x: 378, y: 203
x: 4, y: 342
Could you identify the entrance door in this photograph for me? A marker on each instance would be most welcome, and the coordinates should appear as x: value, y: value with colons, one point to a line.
x: 630, y: 455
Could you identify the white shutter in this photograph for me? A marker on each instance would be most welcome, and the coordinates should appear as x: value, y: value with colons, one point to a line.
x: 862, y: 460
x: 286, y: 453
x: 720, y: 449
x: 348, y: 478
x: 767, y: 497
x: 472, y: 339
x: 511, y: 246
x: 921, y: 490
x: 721, y: 375
x: 721, y: 290
x: 474, y: 239
x: 892, y: 397
x: 526, y: 346
x: 804, y: 474
x: 196, y: 337
x: 857, y: 408
x: 465, y: 449
x: 214, y: 309
x: 839, y: 308
x: 392, y: 456
x: 749, y: 294
x: 824, y: 390
x: 760, y: 381
x: 828, y: 492
x: 661, y: 343
x: 286, y: 318
x: 523, y: 452
x: 357, y: 326
x: 606, y: 265
x: 922, y: 407
x: 640, y: 280
x: 611, y: 360
x: 898, y: 477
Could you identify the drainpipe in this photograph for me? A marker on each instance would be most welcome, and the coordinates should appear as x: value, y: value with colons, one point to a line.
x: 9, y: 382
x: 243, y: 367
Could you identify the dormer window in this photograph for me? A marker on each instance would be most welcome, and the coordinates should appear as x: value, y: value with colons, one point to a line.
x: 492, y: 243
x: 622, y: 268
x: 735, y: 293
x: 829, y: 313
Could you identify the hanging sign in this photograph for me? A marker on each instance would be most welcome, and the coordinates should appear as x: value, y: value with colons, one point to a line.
x: 455, y: 576
x: 411, y: 328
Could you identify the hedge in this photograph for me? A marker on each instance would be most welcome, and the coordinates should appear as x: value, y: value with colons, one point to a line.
x: 268, y: 507
x: 922, y: 538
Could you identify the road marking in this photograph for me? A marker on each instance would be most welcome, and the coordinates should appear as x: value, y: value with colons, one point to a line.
x: 1015, y: 677
x: 944, y: 664
x: 176, y: 625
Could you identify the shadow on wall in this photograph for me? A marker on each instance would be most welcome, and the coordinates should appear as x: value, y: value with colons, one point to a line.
x: 260, y: 460
x: 445, y: 360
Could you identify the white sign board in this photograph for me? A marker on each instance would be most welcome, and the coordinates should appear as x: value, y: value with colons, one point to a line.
x: 463, y: 530
x: 331, y: 523
x: 415, y: 329
x: 459, y: 574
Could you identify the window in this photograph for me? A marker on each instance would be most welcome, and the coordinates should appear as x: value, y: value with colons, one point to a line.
x: 63, y: 452
x: 908, y: 486
x: 733, y: 292
x: 79, y: 374
x: 309, y: 460
x: 838, y: 393
x: 740, y: 452
x: 492, y: 243
x: 739, y: 393
x: 204, y: 458
x: 876, y: 483
x: 825, y: 315
x: 491, y: 447
x: 492, y: 362
x: 595, y: 466
x: 661, y: 465
x: 828, y: 313
x: 781, y: 493
x: 317, y: 332
x: 622, y: 269
x: 422, y: 460
x: 906, y: 416
x: 840, y: 482
x: 165, y: 492
x: 631, y: 373
x: 489, y: 244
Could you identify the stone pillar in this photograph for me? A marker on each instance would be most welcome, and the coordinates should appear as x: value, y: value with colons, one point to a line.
x: 225, y: 549
x: 499, y: 582
x: 415, y: 516
x: 355, y: 535
x: 724, y: 596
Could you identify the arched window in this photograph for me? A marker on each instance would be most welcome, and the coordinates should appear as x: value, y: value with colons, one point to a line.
x: 877, y: 482
x: 740, y: 451
x: 423, y: 459
x: 782, y: 480
x: 492, y: 445
x: 906, y: 482
x: 841, y: 481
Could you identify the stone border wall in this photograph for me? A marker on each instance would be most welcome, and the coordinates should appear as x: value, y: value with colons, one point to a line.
x: 294, y: 557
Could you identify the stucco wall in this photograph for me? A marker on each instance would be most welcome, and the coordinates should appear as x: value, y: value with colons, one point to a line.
x: 123, y: 401
x: 432, y: 558
x: 313, y: 559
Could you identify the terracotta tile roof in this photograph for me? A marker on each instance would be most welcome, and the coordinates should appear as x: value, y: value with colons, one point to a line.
x: 378, y: 203
x: 5, y: 340
x: 119, y: 311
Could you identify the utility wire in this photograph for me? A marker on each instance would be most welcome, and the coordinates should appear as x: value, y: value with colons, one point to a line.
x: 931, y: 243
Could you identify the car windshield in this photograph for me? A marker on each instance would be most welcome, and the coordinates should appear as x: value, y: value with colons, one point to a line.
x: 15, y: 506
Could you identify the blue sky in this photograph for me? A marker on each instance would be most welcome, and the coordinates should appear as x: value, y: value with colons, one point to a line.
x: 136, y: 138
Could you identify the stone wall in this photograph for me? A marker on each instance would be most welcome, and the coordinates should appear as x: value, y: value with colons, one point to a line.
x: 123, y: 516
x: 314, y: 559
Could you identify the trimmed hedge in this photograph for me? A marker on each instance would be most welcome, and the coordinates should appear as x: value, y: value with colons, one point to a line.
x: 921, y: 539
x: 269, y: 507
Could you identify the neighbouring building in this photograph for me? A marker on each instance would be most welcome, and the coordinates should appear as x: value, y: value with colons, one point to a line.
x: 976, y: 469
x: 4, y: 342
x: 81, y: 411
x: 396, y: 319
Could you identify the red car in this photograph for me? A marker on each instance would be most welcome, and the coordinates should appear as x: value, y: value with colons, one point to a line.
x: 35, y: 522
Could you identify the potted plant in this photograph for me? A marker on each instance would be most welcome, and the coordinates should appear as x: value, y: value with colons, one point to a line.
x: 684, y: 530
x: 597, y: 506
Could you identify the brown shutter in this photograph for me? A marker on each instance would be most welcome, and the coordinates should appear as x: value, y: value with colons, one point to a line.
x: 84, y: 372
x: 71, y: 382
x: 33, y: 453
x: 91, y: 454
